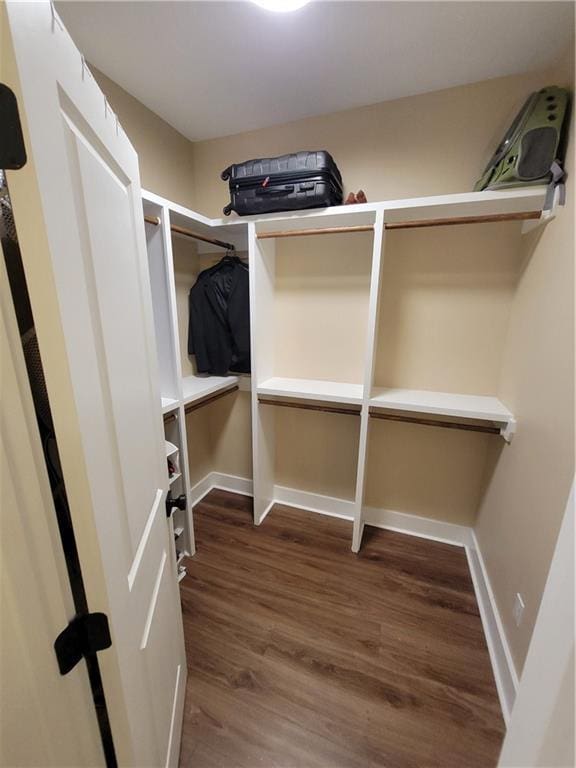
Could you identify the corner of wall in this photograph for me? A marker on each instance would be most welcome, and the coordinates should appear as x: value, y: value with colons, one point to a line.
x: 528, y: 482
x: 165, y: 156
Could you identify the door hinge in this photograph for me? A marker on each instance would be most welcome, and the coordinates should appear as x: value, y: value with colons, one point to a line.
x: 12, y: 149
x: 179, y: 502
x: 85, y: 635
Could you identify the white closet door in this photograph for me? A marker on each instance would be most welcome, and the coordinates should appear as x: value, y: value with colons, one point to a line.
x: 85, y: 258
x: 34, y: 594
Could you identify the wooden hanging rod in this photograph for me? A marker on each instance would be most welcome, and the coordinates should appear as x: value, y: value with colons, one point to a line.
x: 169, y: 417
x: 416, y: 224
x: 324, y: 231
x: 432, y: 423
x: 189, y: 233
x: 210, y: 399
x: 309, y: 407
x: 493, y: 217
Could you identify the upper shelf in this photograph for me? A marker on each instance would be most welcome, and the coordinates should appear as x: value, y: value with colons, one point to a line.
x: 196, y: 387
x: 312, y: 389
x: 466, y: 204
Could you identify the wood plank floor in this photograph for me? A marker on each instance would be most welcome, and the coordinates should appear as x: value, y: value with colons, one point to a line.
x: 304, y: 655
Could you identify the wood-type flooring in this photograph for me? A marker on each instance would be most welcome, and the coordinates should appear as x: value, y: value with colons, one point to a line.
x: 304, y: 655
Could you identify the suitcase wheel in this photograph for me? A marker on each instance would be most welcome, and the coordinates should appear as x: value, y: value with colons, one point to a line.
x: 227, y: 210
x: 225, y: 175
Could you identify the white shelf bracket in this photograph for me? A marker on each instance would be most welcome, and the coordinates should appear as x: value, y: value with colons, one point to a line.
x: 547, y: 215
x: 508, y: 430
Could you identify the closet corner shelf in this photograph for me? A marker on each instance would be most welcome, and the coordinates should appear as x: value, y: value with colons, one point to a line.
x: 175, y: 477
x: 196, y: 387
x: 458, y: 205
x: 313, y: 389
x: 171, y: 449
x: 446, y: 404
x: 168, y: 404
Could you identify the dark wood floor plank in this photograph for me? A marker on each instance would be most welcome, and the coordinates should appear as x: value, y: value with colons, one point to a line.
x: 303, y: 655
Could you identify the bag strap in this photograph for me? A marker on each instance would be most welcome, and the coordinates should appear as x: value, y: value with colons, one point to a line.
x: 557, y: 180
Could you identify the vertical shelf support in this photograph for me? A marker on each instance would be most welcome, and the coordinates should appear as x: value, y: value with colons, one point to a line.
x: 262, y: 262
x: 371, y: 340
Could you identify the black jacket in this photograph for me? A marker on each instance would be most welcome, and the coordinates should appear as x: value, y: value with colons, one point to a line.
x: 219, y: 326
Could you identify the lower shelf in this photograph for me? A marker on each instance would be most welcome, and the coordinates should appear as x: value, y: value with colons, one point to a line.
x: 313, y: 389
x: 442, y: 404
x: 168, y: 404
x: 197, y: 387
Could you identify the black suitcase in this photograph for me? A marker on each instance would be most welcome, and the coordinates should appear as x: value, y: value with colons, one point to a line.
x: 285, y: 183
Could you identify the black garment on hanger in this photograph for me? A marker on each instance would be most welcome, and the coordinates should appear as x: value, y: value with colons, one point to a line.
x: 219, y: 325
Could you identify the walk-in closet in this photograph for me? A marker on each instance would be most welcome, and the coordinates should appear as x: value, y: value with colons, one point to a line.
x: 288, y: 358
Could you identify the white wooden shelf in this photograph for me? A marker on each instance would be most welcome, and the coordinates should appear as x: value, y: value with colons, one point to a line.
x: 168, y: 404
x: 442, y: 404
x: 171, y: 449
x: 174, y: 477
x: 436, y: 206
x: 313, y: 389
x: 197, y: 387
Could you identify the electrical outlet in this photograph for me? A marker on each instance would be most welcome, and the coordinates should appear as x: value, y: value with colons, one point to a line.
x: 518, y: 610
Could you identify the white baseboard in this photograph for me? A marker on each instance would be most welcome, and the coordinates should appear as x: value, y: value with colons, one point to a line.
x: 233, y: 483
x: 412, y: 525
x: 425, y: 527
x: 314, y: 502
x: 265, y: 513
x: 502, y: 663
x: 198, y: 491
x: 241, y: 485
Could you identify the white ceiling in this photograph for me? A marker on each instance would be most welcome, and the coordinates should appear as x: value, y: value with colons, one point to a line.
x: 217, y: 68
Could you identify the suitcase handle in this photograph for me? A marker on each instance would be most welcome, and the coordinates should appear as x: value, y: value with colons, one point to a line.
x: 286, y: 190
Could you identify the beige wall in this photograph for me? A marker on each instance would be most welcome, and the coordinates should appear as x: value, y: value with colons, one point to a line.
x: 322, y: 289
x: 430, y: 144
x: 444, y: 307
x: 528, y: 485
x: 165, y: 156
x: 317, y: 452
x: 427, y: 471
x: 219, y: 438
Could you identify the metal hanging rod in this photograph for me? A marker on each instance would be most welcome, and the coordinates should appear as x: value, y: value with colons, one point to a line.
x: 493, y: 217
x: 309, y: 407
x: 206, y: 400
x: 169, y: 417
x: 432, y: 423
x: 189, y: 233
x: 323, y: 231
